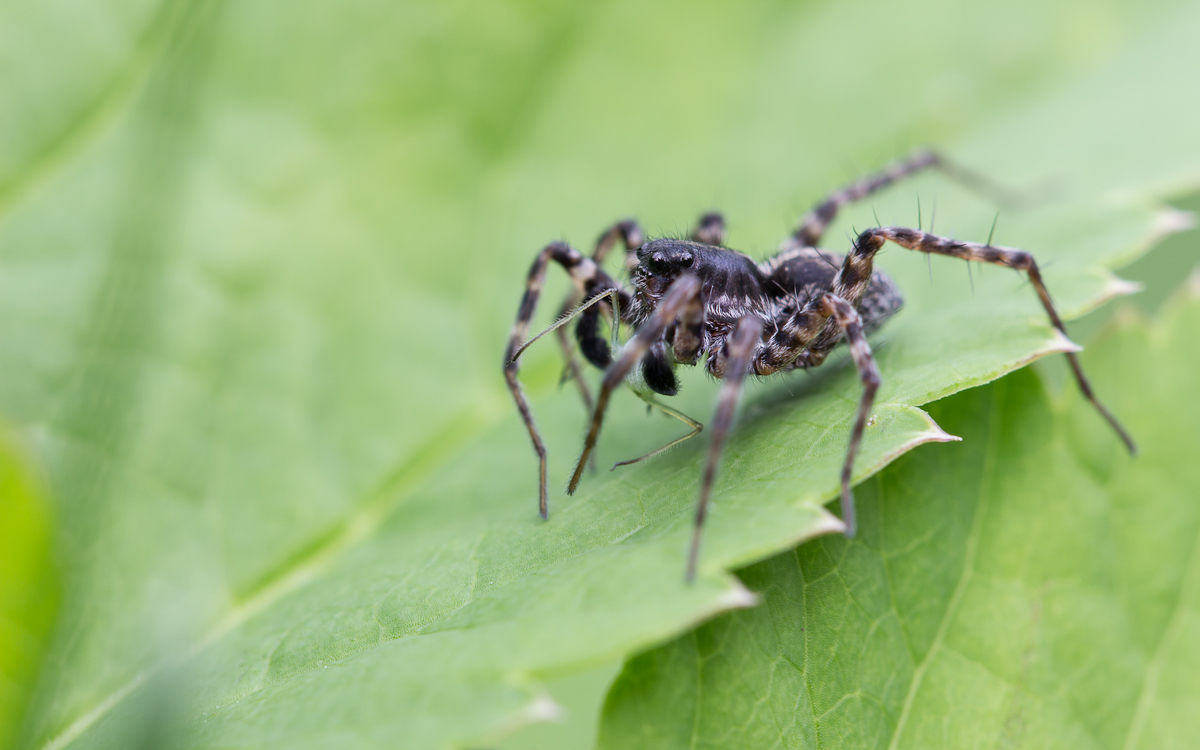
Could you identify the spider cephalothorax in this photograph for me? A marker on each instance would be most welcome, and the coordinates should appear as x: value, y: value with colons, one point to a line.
x: 694, y: 298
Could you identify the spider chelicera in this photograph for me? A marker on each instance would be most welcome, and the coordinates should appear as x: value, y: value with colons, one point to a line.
x: 695, y: 297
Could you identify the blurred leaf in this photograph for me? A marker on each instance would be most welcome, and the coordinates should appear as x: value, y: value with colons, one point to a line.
x: 256, y: 267
x: 1031, y: 586
x: 28, y: 585
x: 1157, y: 272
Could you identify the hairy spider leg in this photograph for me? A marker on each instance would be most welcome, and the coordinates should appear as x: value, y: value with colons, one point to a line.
x: 799, y: 337
x: 611, y: 295
x: 710, y: 229
x: 586, y: 333
x: 682, y: 292
x: 739, y: 346
x: 688, y: 335
x: 849, y: 321
x: 630, y: 233
x: 812, y: 226
x: 572, y: 370
x: 648, y: 397
x: 791, y: 340
x: 586, y: 274
x: 851, y: 282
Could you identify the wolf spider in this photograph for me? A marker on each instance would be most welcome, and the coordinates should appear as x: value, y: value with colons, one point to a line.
x: 694, y: 297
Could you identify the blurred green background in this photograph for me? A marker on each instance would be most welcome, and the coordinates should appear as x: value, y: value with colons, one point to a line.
x: 258, y: 261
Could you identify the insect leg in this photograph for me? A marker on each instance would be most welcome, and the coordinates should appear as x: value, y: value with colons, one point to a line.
x: 741, y: 344
x: 684, y: 289
x: 850, y: 285
x: 585, y: 273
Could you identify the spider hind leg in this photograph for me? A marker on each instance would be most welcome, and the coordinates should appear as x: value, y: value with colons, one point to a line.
x: 856, y: 271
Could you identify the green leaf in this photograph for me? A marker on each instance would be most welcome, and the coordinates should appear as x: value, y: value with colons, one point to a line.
x: 257, y: 263
x: 1031, y: 586
x: 28, y: 585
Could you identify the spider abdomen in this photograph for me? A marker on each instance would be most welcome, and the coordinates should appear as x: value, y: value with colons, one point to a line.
x: 798, y: 276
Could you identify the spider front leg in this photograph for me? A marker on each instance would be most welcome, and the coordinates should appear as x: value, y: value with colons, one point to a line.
x: 630, y: 234
x: 850, y: 283
x: 739, y: 346
x: 687, y: 339
x: 684, y: 292
x: 586, y: 274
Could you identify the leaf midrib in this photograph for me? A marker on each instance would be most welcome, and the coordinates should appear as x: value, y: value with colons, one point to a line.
x: 1184, y: 603
x: 968, y: 562
x: 359, y: 526
x: 94, y: 118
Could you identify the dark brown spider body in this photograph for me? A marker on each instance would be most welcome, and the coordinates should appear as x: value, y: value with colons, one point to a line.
x: 733, y: 287
x: 695, y: 298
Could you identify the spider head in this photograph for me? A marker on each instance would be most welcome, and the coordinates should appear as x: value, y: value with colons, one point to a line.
x: 659, y: 262
x: 666, y: 257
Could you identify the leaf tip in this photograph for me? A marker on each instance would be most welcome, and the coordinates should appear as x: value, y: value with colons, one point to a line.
x: 1059, y: 343
x: 1172, y: 220
x: 937, y: 435
x: 737, y: 596
x: 827, y: 524
x: 1118, y: 287
x: 1191, y: 287
x: 544, y: 708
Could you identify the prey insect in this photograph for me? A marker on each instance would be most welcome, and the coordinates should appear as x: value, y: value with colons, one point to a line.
x: 695, y: 299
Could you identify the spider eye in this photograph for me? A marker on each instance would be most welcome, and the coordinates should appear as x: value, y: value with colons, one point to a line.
x: 686, y: 260
x: 658, y: 263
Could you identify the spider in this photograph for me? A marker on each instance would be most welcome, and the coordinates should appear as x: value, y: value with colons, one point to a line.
x: 696, y: 297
